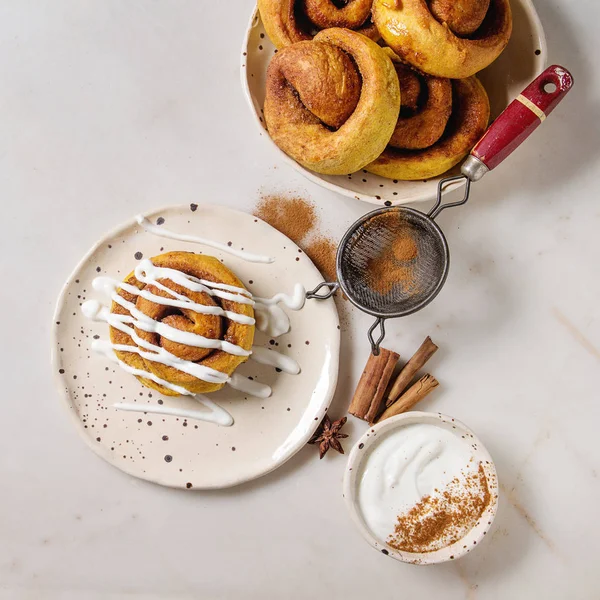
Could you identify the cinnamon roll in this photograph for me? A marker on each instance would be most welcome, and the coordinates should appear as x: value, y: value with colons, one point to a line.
x: 440, y: 121
x: 188, y: 320
x: 445, y: 38
x: 332, y: 103
x: 291, y: 21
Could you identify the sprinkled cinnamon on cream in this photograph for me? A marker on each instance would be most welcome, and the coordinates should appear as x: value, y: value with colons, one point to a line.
x: 444, y: 517
x: 422, y: 488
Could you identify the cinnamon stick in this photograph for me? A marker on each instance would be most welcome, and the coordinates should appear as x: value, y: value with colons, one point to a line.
x: 414, y: 394
x: 410, y: 369
x: 373, y: 382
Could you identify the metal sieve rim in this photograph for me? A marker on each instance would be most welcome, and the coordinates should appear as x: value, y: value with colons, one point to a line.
x: 359, y: 223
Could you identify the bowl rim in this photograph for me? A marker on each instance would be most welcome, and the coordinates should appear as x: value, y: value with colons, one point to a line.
x: 426, y: 196
x: 350, y: 487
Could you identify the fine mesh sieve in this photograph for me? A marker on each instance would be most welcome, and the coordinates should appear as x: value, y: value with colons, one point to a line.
x: 372, y: 274
x: 372, y: 239
x: 406, y: 283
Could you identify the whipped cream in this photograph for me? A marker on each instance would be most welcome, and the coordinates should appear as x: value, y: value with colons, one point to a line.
x: 405, y: 466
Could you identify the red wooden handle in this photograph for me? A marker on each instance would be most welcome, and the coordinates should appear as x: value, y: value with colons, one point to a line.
x: 522, y: 116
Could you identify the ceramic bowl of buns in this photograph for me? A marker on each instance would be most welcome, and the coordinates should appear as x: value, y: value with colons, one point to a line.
x: 378, y: 116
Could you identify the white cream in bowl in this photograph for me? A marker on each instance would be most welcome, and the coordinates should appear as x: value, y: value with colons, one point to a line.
x: 421, y: 487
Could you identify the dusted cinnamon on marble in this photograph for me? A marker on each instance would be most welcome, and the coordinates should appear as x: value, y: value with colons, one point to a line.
x: 368, y: 397
x: 410, y: 369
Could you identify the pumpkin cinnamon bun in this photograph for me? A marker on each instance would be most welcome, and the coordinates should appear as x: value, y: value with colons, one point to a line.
x: 332, y: 103
x: 183, y: 318
x: 291, y: 21
x: 440, y: 121
x: 445, y: 38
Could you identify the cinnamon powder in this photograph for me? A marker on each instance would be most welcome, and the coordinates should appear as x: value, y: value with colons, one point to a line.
x: 445, y: 517
x: 396, y: 265
x: 297, y: 219
x: 405, y: 248
x: 294, y: 217
x: 322, y: 251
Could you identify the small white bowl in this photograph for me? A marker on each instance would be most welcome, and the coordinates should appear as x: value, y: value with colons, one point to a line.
x: 354, y: 470
x: 522, y: 61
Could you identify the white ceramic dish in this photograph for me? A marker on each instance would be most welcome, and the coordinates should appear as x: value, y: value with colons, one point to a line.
x: 202, y: 455
x: 355, y: 467
x: 522, y: 61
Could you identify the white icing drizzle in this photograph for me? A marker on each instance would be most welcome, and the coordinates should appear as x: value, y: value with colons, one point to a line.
x: 108, y: 353
x: 147, y: 272
x: 146, y: 323
x: 294, y: 302
x: 264, y: 356
x: 250, y: 387
x: 272, y: 319
x: 215, y: 414
x: 162, y: 232
x: 109, y: 286
x: 160, y: 355
x: 95, y: 311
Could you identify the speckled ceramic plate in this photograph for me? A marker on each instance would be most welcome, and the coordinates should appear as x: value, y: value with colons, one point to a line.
x: 195, y: 454
x: 522, y: 61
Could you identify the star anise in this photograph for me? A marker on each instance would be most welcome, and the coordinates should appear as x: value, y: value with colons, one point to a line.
x: 328, y: 435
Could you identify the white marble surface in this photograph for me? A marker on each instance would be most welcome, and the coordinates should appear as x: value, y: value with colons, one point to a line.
x: 114, y: 107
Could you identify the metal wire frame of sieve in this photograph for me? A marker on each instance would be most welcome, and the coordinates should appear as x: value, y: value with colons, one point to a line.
x: 372, y: 238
